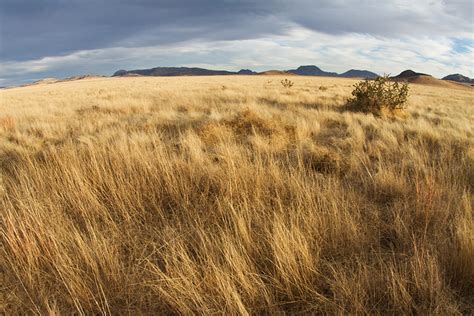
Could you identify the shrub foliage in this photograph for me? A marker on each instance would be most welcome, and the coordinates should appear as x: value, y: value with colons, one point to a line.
x: 379, y: 95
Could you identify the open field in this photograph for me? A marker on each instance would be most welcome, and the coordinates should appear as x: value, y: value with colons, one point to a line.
x: 233, y: 195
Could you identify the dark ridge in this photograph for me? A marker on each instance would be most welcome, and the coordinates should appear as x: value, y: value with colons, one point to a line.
x: 246, y: 72
x: 355, y: 73
x: 173, y: 71
x: 312, y: 70
x: 409, y: 74
x: 459, y: 78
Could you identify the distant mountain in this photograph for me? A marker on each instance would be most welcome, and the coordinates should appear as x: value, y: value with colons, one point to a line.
x: 179, y: 71
x: 276, y: 73
x: 119, y: 73
x: 459, y: 78
x: 309, y: 70
x: 354, y: 73
x: 312, y: 71
x: 173, y: 71
x: 409, y: 74
x: 246, y: 72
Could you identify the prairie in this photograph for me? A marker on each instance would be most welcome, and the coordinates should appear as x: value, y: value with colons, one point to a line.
x: 233, y: 195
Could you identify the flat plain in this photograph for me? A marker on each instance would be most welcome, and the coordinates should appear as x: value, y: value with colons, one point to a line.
x: 233, y: 195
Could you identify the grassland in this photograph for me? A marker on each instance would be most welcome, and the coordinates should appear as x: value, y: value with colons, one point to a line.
x: 233, y: 195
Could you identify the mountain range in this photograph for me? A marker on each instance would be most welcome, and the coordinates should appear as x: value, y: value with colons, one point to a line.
x: 309, y: 70
x: 312, y: 70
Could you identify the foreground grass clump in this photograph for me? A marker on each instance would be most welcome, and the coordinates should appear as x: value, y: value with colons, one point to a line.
x: 175, y: 196
x: 379, y: 96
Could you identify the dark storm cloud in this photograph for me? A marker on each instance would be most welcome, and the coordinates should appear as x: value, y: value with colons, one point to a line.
x: 33, y: 29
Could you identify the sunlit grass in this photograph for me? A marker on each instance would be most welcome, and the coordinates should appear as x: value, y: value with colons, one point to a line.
x: 233, y: 195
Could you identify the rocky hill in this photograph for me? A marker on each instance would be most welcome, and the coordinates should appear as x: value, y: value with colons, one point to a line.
x: 425, y: 79
x: 355, y: 73
x: 459, y: 78
x: 407, y: 74
x: 312, y: 70
x: 173, y: 71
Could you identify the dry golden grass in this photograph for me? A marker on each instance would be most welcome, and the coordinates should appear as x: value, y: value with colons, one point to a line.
x: 233, y: 195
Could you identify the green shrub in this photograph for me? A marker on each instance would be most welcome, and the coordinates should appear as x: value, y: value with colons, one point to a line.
x: 379, y: 96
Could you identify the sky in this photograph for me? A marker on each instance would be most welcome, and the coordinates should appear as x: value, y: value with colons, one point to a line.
x: 61, y: 38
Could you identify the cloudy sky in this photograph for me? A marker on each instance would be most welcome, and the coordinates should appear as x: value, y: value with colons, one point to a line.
x: 59, y: 38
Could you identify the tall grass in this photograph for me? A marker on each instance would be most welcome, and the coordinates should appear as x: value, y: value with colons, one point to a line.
x: 162, y: 196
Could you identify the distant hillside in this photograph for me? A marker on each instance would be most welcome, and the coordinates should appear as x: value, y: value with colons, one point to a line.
x: 276, y: 73
x: 409, y: 74
x: 459, y: 78
x: 312, y: 71
x: 425, y: 79
x: 246, y: 72
x: 172, y: 71
x: 309, y: 70
x: 179, y: 71
x: 355, y: 73
x: 46, y: 81
x: 55, y: 80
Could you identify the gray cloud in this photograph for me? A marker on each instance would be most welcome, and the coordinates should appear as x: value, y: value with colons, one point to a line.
x: 32, y: 28
x: 386, y: 18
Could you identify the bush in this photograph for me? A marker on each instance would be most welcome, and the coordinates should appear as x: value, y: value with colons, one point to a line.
x: 287, y: 83
x: 379, y: 96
